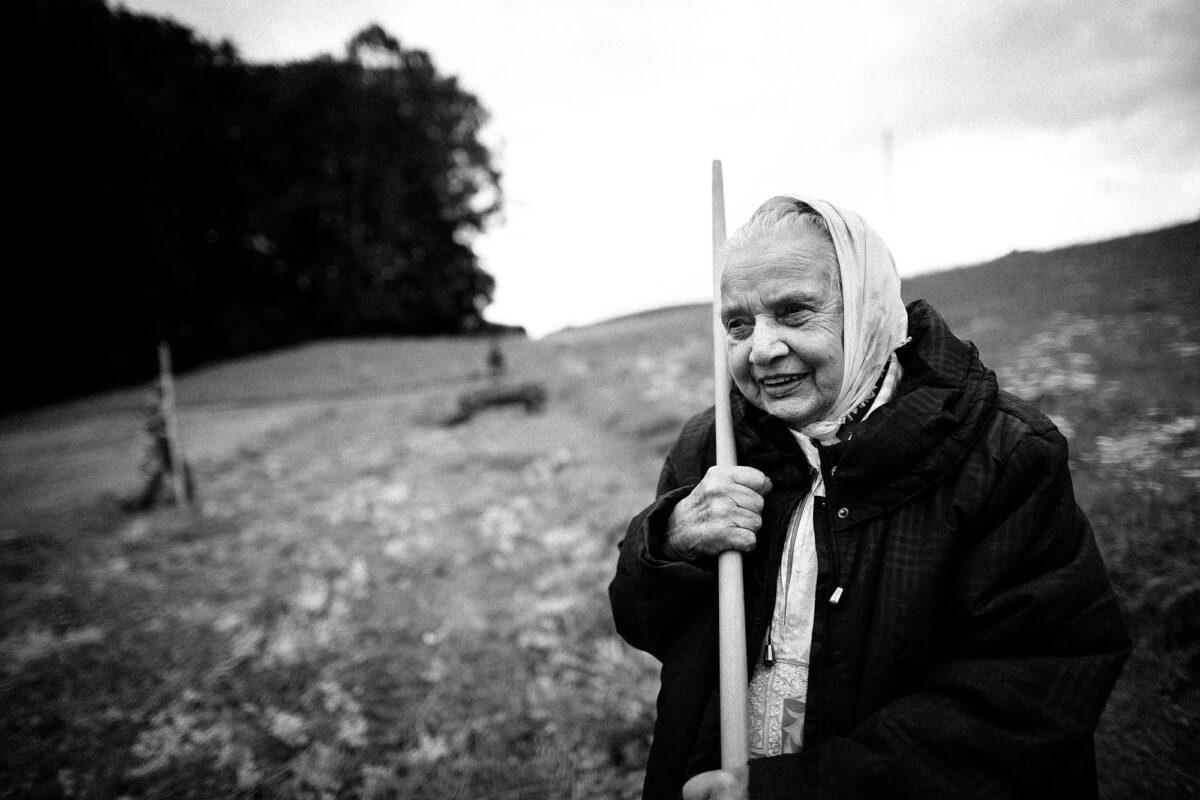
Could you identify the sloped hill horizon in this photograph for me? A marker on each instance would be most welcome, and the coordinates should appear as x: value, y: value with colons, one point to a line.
x: 1148, y: 271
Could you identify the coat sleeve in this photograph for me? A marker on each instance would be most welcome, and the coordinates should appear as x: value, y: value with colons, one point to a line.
x: 652, y: 596
x: 1036, y: 641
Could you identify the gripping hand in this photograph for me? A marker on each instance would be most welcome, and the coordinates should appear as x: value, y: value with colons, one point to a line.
x: 723, y: 512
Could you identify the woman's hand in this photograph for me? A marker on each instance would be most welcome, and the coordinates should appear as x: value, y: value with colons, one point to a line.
x: 720, y: 784
x: 722, y: 513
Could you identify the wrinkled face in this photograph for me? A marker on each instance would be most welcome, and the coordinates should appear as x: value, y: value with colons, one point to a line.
x: 782, y: 309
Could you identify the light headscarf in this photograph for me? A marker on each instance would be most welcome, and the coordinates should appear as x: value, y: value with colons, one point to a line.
x: 874, y: 322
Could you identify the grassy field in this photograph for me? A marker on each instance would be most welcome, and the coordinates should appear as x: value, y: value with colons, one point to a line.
x: 368, y: 604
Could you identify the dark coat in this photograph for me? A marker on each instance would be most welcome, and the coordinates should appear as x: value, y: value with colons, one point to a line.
x: 977, y: 638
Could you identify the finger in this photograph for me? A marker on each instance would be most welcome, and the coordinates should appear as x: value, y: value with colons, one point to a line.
x: 754, y: 479
x: 746, y: 498
x: 750, y: 477
x: 714, y: 785
x: 724, y: 514
x: 747, y: 520
x: 730, y: 511
x: 743, y: 540
x: 717, y: 486
x: 739, y: 539
x: 695, y: 789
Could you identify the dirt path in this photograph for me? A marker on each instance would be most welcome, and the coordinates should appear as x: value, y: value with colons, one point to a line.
x: 486, y: 548
x: 75, y: 452
x: 370, y: 604
x: 82, y: 456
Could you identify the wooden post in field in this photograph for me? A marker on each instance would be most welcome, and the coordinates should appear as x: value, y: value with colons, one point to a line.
x: 171, y: 423
x: 735, y: 744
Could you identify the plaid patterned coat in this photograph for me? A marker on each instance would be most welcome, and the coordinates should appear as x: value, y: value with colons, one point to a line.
x: 977, y: 638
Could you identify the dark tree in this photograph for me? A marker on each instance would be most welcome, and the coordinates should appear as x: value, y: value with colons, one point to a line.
x: 164, y: 189
x: 116, y: 163
x: 370, y: 193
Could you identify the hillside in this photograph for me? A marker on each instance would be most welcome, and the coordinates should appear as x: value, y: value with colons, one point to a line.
x: 1123, y: 307
x: 999, y: 303
x: 1136, y: 278
x: 370, y: 604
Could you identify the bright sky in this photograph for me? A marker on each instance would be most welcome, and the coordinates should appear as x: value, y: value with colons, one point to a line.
x: 1013, y: 124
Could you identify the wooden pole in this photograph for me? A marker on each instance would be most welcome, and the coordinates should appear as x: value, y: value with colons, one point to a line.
x: 171, y: 423
x: 735, y: 745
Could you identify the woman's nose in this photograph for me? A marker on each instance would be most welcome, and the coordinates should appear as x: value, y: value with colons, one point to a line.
x: 766, y: 345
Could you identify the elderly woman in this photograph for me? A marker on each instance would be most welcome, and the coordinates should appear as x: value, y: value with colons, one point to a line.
x: 927, y: 612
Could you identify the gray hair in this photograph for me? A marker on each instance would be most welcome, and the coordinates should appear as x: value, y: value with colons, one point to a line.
x: 783, y: 216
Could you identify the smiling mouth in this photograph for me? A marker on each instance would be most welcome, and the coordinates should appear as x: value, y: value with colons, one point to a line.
x: 781, y: 384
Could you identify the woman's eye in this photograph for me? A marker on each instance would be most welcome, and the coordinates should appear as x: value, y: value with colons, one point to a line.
x: 737, y: 327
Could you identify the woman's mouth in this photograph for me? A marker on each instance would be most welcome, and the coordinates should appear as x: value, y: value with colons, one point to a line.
x: 776, y: 385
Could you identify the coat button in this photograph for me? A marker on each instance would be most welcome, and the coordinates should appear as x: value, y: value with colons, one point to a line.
x: 833, y: 471
x: 843, y: 512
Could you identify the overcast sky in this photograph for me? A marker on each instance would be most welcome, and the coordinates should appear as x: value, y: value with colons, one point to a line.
x: 1013, y: 125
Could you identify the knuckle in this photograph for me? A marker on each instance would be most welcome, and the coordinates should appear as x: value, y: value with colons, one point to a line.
x: 717, y: 474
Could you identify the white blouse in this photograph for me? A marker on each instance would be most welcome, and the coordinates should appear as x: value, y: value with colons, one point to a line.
x: 779, y: 691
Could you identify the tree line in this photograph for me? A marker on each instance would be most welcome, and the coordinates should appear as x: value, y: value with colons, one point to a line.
x: 163, y: 188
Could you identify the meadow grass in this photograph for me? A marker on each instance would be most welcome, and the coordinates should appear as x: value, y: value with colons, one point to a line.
x: 367, y: 604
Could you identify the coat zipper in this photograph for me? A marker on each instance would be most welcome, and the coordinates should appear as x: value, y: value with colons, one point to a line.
x: 835, y: 569
x: 767, y: 652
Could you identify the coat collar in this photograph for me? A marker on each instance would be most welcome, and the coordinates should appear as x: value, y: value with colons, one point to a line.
x: 940, y: 410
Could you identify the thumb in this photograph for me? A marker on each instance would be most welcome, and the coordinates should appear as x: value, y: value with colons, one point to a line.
x: 754, y: 479
x: 715, y: 785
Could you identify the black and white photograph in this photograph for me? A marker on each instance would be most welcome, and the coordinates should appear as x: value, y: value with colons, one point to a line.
x: 600, y: 400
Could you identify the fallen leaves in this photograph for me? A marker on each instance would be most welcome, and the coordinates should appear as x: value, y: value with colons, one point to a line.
x: 41, y: 643
x: 381, y: 614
